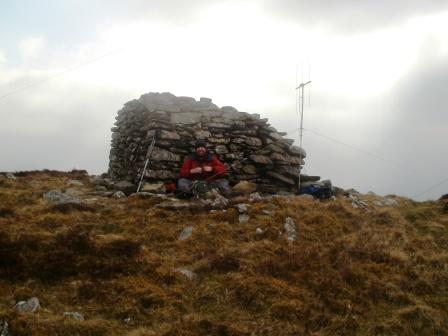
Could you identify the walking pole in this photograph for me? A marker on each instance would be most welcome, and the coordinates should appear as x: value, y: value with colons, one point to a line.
x: 148, y: 155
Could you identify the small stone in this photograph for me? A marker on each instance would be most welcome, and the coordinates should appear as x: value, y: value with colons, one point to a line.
x: 250, y: 141
x: 219, y: 201
x: 242, y: 208
x: 189, y: 274
x: 205, y: 100
x: 75, y: 183
x: 255, y: 197
x: 201, y: 134
x: 186, y: 233
x: 260, y: 159
x: 266, y: 212
x: 290, y: 229
x: 221, y: 149
x: 100, y: 188
x: 10, y: 176
x: 168, y: 135
x: 4, y: 328
x: 159, y: 154
x: 29, y: 306
x: 119, y: 194
x: 258, y: 231
x: 229, y: 109
x: 245, y: 187
x: 98, y: 181
x: 390, y: 201
x: 153, y: 187
x: 74, y: 315
x: 243, y: 218
x: 58, y: 197
x: 249, y: 169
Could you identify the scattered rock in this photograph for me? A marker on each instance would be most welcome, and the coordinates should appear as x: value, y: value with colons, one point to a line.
x: 75, y: 183
x: 215, y: 200
x: 100, y: 188
x: 119, y: 194
x: 390, y: 201
x: 74, y: 315
x: 242, y: 208
x: 153, y: 188
x: 243, y: 218
x: 4, y: 328
x: 58, y: 197
x: 258, y: 231
x: 357, y: 203
x: 189, y: 274
x: 10, y: 176
x: 186, y: 233
x: 245, y: 187
x: 99, y: 181
x: 290, y: 229
x: 255, y: 197
x: 266, y: 212
x: 29, y: 306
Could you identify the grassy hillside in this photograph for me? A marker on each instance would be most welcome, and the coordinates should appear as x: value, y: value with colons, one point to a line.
x: 379, y: 270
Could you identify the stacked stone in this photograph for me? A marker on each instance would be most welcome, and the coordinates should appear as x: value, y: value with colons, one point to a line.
x: 250, y: 148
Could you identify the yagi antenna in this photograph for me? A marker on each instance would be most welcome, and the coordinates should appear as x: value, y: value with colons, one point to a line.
x: 300, y: 92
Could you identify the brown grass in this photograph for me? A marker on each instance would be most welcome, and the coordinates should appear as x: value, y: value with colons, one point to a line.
x: 350, y: 272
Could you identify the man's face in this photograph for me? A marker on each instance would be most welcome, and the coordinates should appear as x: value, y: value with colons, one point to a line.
x: 200, y: 151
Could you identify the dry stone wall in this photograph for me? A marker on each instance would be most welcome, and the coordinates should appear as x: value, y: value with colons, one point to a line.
x: 251, y: 148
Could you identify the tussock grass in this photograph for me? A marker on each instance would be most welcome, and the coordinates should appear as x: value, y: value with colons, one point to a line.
x: 350, y: 271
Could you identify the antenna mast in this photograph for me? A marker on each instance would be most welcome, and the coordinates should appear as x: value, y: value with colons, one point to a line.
x: 301, y: 92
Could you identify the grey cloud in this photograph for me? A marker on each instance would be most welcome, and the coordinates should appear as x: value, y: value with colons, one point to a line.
x: 71, y: 129
x: 420, y: 121
x: 421, y: 96
x: 352, y: 15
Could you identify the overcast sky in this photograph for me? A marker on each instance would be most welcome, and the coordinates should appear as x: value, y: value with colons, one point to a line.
x: 376, y: 112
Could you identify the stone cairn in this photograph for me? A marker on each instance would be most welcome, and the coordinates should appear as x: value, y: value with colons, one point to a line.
x: 251, y: 149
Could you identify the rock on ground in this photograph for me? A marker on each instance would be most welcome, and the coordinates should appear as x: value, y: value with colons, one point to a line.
x: 186, y: 233
x: 290, y: 229
x: 74, y: 315
x: 29, y: 306
x: 58, y: 197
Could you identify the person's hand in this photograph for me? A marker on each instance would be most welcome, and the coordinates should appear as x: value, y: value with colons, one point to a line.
x: 208, y: 169
x: 196, y: 170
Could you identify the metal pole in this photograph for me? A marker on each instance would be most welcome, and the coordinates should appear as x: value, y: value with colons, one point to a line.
x: 302, y: 99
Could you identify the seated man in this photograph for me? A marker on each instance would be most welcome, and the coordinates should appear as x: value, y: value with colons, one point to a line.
x: 205, y: 167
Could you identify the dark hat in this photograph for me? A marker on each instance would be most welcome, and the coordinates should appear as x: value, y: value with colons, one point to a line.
x: 200, y: 143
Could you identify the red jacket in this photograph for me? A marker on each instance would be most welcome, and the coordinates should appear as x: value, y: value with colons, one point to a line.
x: 193, y: 161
